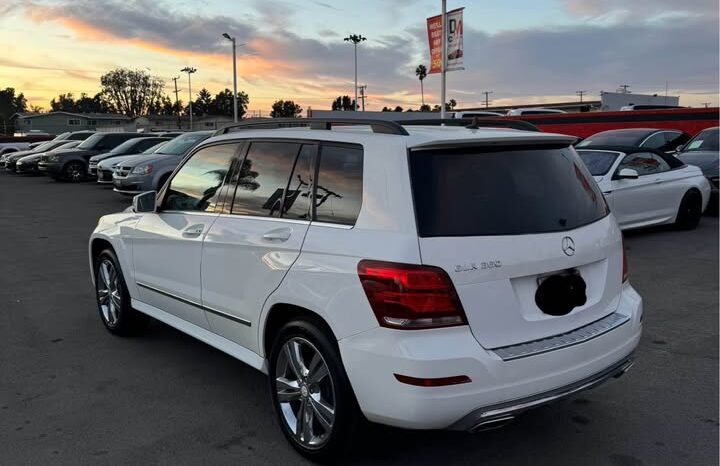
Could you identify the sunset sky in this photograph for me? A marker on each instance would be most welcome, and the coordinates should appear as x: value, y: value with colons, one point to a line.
x: 523, y: 50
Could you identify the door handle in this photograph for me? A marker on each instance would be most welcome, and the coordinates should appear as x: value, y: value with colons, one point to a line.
x: 278, y: 234
x: 193, y: 231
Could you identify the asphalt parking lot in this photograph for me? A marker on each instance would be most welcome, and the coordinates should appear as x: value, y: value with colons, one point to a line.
x: 72, y: 394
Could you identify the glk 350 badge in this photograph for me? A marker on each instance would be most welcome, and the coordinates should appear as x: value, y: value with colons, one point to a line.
x: 492, y: 264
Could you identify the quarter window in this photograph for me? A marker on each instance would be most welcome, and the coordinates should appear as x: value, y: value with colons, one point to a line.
x: 339, y: 187
x: 644, y: 163
x: 195, y: 187
x: 655, y: 141
x: 263, y: 177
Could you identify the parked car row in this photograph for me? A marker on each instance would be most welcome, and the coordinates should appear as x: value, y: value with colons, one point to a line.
x: 132, y: 162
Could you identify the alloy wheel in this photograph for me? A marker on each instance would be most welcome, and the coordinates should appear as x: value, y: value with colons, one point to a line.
x: 74, y: 172
x: 108, y: 292
x: 305, y: 393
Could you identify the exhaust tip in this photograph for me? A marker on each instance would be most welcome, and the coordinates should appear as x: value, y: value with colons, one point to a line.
x: 491, y: 424
x: 626, y: 367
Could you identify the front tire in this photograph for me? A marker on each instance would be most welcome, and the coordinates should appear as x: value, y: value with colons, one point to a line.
x: 690, y: 211
x: 74, y: 172
x: 113, y: 298
x: 311, y: 394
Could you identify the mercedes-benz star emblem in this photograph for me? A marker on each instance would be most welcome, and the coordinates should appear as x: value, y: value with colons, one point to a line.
x: 568, y: 246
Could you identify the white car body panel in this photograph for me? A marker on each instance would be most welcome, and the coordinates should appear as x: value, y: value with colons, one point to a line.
x: 652, y: 199
x: 227, y: 268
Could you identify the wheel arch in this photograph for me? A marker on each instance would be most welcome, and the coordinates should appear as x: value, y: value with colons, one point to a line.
x: 280, y: 314
x: 97, y: 245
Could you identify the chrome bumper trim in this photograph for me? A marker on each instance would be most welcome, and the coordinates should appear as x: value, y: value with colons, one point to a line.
x: 504, y: 411
x: 577, y: 336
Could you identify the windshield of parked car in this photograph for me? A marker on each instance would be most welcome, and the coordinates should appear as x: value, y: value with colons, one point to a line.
x: 61, y: 136
x: 45, y: 146
x: 614, y: 138
x: 90, y: 142
x: 181, y: 144
x: 126, y: 146
x: 706, y: 140
x: 502, y: 191
x: 598, y: 162
x: 68, y: 145
x: 155, y: 148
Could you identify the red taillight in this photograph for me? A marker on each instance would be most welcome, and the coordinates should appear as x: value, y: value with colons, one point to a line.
x: 625, y: 263
x: 409, y: 296
x: 438, y: 382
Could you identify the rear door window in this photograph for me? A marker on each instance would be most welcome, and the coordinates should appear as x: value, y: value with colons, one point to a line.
x: 339, y: 186
x: 502, y: 191
x: 263, y: 177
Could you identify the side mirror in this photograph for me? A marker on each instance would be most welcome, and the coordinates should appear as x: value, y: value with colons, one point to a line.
x: 628, y: 173
x: 144, y: 202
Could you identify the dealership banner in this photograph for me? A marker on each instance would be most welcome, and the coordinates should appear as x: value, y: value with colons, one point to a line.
x: 454, y: 39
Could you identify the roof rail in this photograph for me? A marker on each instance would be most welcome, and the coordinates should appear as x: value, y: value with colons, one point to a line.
x: 475, y: 123
x: 377, y: 126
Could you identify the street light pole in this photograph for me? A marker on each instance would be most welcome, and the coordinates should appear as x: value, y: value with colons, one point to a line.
x: 355, y: 39
x: 189, y: 70
x: 235, y: 103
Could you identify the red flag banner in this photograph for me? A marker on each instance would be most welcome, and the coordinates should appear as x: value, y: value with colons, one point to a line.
x: 454, y: 39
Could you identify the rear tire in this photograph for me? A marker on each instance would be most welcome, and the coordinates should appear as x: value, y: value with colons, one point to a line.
x: 690, y: 211
x: 74, y: 172
x: 113, y: 298
x: 311, y: 394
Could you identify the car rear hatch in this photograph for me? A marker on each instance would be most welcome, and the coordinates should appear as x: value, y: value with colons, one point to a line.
x: 520, y: 227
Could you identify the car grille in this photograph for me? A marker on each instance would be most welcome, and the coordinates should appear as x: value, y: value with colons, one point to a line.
x: 122, y: 172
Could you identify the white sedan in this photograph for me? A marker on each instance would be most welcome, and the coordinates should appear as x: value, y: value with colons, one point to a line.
x: 646, y: 187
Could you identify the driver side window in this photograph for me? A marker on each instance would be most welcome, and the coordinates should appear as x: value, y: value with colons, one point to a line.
x: 196, y: 186
x: 645, y: 163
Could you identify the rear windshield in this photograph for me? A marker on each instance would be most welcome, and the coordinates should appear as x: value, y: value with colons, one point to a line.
x: 598, y: 162
x: 502, y: 191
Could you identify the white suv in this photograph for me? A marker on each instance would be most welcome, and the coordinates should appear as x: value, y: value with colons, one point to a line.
x: 427, y: 278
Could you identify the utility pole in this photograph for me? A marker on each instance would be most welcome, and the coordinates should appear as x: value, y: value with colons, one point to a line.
x: 189, y: 70
x: 177, y: 101
x: 706, y: 104
x: 355, y: 39
x: 581, y: 94
x: 487, y: 98
x: 362, y: 95
x: 623, y: 89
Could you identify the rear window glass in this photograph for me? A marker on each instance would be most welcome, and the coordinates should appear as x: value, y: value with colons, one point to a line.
x: 598, y: 162
x: 502, y: 191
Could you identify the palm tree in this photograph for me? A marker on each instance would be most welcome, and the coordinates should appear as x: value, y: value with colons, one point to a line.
x: 421, y: 72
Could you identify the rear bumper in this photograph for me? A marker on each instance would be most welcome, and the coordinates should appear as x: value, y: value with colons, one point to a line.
x: 498, y: 388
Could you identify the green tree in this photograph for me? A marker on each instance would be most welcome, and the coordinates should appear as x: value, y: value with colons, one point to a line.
x: 285, y: 109
x: 421, y: 73
x: 223, y: 103
x: 203, y: 105
x: 64, y: 103
x: 344, y: 103
x: 10, y: 104
x: 425, y: 108
x: 398, y: 109
x: 132, y: 92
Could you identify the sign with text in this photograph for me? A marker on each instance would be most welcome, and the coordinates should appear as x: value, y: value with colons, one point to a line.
x: 454, y: 39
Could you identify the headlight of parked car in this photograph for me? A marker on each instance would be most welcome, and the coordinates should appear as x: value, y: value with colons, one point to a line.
x: 53, y: 158
x: 142, y: 170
